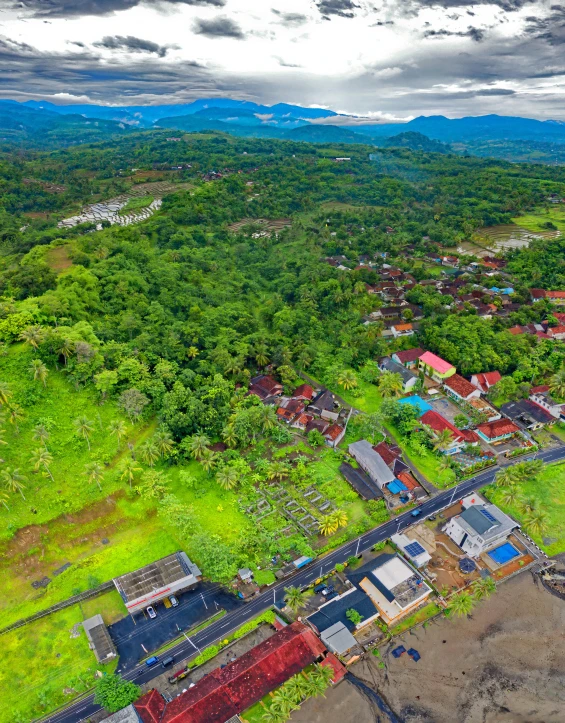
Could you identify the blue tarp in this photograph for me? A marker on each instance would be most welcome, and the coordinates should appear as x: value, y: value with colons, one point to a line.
x: 396, y: 486
x: 397, y: 652
x: 414, y: 654
x: 416, y: 401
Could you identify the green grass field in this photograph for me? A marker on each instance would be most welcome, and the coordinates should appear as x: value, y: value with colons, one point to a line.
x: 548, y: 488
x: 43, y: 666
x: 537, y: 221
x: 136, y: 204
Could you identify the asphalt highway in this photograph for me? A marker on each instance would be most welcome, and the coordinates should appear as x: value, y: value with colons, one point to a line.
x: 83, y: 709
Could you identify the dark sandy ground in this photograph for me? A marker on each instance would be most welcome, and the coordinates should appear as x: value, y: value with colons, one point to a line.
x: 505, y: 664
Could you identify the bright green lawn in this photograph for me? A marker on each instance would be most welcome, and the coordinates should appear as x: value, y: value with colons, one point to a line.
x: 428, y: 611
x: 548, y: 488
x: 42, y: 667
x: 535, y: 221
x: 136, y: 204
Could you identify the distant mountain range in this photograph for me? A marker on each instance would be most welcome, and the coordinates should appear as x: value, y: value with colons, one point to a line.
x: 507, y: 136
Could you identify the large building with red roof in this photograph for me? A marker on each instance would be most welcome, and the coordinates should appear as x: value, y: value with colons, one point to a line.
x: 497, y: 431
x: 435, y: 367
x: 438, y: 424
x: 228, y: 691
x: 458, y: 387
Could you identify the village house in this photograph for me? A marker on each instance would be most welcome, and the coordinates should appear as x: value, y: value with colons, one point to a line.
x: 409, y: 379
x: 304, y: 393
x: 459, y: 388
x: 497, y: 431
x: 412, y: 549
x: 265, y: 387
x: 480, y: 527
x: 371, y: 462
x: 459, y: 438
x: 408, y: 358
x: 393, y: 585
x: 485, y: 380
x: 361, y: 482
x: 399, y: 330
x: 302, y: 421
x: 556, y: 332
x: 483, y: 407
x: 333, y: 435
x: 435, y: 367
x: 319, y: 424
x: 323, y: 402
x: 541, y: 396
x: 527, y: 414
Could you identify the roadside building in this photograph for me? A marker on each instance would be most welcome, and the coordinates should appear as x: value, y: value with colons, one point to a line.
x: 338, y: 639
x: 152, y: 583
x: 399, y: 330
x: 99, y: 640
x: 479, y: 527
x: 542, y: 397
x: 459, y: 388
x: 414, y: 550
x: 528, y: 415
x: 459, y: 438
x: 125, y: 715
x: 409, y: 379
x: 335, y: 611
x: 497, y: 431
x: 394, y: 586
x: 371, y: 462
x: 435, y: 367
x: 361, y: 482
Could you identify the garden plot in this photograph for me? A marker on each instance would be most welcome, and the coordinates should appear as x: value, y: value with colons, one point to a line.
x: 110, y: 210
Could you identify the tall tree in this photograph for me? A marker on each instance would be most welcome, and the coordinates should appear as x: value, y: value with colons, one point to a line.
x: 40, y: 434
x: 390, y: 384
x: 42, y: 458
x: 117, y: 429
x: 39, y: 371
x: 129, y: 470
x: 13, y: 481
x: 83, y: 428
x: 295, y: 598
x: 33, y: 336
x: 94, y: 473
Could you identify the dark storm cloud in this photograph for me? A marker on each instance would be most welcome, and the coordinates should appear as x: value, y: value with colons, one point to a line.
x: 290, y: 20
x: 476, y: 34
x: 131, y: 44
x: 68, y: 8
x: 341, y: 8
x: 220, y: 27
x: 550, y: 28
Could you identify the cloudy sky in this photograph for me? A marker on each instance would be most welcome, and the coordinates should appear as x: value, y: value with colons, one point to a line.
x: 388, y: 59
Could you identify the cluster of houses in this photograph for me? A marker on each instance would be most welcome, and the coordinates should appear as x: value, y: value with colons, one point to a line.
x: 306, y: 410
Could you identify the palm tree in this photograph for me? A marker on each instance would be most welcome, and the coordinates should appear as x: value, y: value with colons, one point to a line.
x: 536, y: 522
x: 277, y: 470
x: 209, y: 460
x: 192, y: 352
x: 316, y: 685
x: 297, y: 687
x: 65, y: 348
x: 442, y: 440
x: 16, y: 415
x: 282, y: 702
x: 5, y: 393
x: 226, y: 477
x: 268, y: 418
x: 557, y: 383
x: 304, y: 359
x: 149, y: 453
x: 129, y: 470
x: 197, y: 445
x: 528, y: 505
x: 117, y: 427
x: 273, y: 716
x: 229, y: 435
x: 94, y: 473
x: 484, y: 587
x: 340, y: 518
x: 506, y: 478
x: 322, y: 674
x: 461, y: 604
x: 41, y: 434
x: 164, y: 443
x: 13, y: 481
x: 510, y: 495
x: 42, y: 458
x: 328, y: 526
x: 39, y: 371
x: 83, y: 428
x: 33, y: 336
x: 391, y: 384
x: 347, y: 379
x: 295, y: 598
x: 261, y: 355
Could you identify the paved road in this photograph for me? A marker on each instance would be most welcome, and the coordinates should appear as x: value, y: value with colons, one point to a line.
x: 140, y: 674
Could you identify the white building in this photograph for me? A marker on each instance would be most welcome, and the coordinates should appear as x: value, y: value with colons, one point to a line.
x: 414, y: 551
x: 479, y: 527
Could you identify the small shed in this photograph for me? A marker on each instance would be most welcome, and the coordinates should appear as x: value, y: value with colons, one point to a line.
x: 99, y: 639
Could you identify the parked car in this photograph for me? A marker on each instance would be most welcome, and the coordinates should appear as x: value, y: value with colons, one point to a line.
x: 167, y: 602
x: 168, y: 661
x: 151, y: 612
x: 417, y: 512
x: 174, y: 602
x: 328, y: 591
x: 153, y: 660
x: 320, y: 588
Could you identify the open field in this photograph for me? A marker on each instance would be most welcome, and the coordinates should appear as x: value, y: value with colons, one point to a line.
x: 49, y: 660
x: 548, y: 488
x: 490, y: 668
x: 537, y: 221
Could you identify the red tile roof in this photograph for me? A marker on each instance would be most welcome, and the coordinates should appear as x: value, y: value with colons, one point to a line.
x: 330, y: 661
x: 556, y: 330
x: 469, y: 436
x: 492, y: 430
x: 488, y: 379
x: 386, y: 452
x: 555, y: 294
x: 540, y: 389
x: 287, y: 414
x: 403, y: 327
x: 515, y: 330
x: 226, y: 692
x: 408, y: 480
x: 410, y: 355
x: 150, y: 706
x: 460, y: 386
x: 304, y: 419
x: 538, y: 293
x: 333, y: 432
x: 438, y: 424
x: 295, y: 405
x: 435, y: 362
x: 304, y: 391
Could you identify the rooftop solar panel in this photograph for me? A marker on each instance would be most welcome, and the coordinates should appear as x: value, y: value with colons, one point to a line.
x: 488, y: 515
x: 414, y: 549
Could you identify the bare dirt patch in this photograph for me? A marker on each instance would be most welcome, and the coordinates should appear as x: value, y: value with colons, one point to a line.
x: 58, y: 258
x: 265, y: 224
x: 506, y: 664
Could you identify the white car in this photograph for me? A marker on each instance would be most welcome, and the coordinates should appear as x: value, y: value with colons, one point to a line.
x: 174, y: 601
x: 151, y: 612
